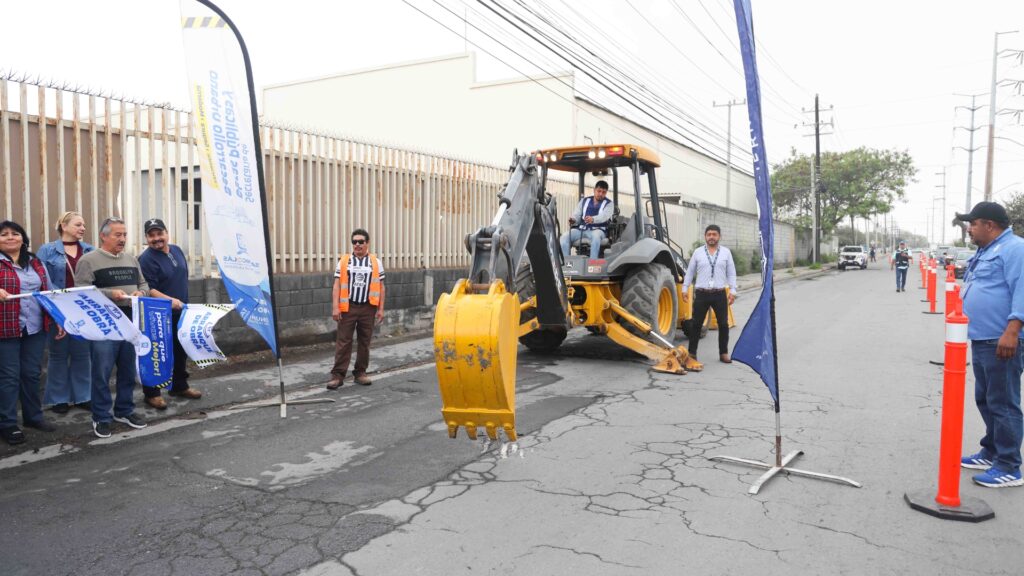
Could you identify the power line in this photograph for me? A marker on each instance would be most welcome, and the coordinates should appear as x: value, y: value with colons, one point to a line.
x: 640, y: 63
x: 589, y: 74
x: 539, y: 83
x: 761, y: 48
x: 764, y: 82
x: 619, y: 71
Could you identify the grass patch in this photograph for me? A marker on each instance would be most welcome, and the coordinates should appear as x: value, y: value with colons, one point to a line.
x: 815, y: 266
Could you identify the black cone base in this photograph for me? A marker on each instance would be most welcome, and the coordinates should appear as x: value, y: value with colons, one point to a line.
x: 970, y: 510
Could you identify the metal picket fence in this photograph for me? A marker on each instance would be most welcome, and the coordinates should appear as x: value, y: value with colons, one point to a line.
x: 62, y: 148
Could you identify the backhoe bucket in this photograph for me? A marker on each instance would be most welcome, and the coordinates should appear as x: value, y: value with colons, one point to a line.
x: 475, y: 344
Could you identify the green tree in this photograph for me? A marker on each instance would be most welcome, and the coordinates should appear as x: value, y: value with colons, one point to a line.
x: 1015, y: 209
x: 857, y: 183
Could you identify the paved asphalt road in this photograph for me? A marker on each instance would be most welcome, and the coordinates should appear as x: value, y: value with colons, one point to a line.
x: 611, y: 475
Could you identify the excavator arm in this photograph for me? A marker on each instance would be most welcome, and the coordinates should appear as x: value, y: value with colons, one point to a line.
x: 525, y: 225
x: 476, y: 325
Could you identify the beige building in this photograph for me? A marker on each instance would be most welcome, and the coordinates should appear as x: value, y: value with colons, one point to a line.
x: 437, y: 105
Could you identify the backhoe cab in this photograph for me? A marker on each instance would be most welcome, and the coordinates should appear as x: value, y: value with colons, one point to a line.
x: 521, y: 285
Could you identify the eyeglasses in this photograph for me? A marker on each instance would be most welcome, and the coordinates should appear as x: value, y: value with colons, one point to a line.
x: 358, y: 242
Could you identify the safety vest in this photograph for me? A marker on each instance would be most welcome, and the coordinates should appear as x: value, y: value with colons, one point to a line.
x: 591, y: 208
x: 343, y: 293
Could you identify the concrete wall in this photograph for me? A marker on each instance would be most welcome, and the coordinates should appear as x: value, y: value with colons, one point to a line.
x: 432, y: 105
x: 684, y: 171
x: 304, y: 307
x: 740, y: 234
x: 437, y: 105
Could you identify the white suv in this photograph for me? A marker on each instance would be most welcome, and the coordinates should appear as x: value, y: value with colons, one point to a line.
x: 852, y: 256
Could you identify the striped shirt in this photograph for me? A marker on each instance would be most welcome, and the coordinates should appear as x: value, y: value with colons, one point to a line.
x: 359, y: 272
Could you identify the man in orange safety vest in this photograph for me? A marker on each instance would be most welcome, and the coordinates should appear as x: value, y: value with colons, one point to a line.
x: 357, y: 305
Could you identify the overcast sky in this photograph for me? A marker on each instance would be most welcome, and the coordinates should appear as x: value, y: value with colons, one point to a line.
x: 889, y: 69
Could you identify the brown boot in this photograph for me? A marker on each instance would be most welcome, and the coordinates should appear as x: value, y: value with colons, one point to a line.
x: 157, y: 402
x: 335, y: 382
x: 363, y: 380
x: 725, y: 359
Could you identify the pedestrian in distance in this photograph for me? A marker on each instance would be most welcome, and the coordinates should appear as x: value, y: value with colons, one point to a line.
x: 872, y: 253
x: 23, y: 334
x: 900, y: 261
x: 166, y: 271
x: 70, y: 364
x: 118, y: 277
x: 711, y: 271
x: 993, y: 298
x: 590, y: 220
x: 357, y: 306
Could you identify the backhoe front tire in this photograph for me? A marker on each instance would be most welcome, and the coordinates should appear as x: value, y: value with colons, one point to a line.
x: 649, y: 293
x: 542, y: 340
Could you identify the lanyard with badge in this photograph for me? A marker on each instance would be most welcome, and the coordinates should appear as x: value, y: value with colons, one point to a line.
x: 711, y: 278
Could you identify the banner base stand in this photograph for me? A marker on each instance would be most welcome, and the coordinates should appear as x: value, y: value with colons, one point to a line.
x: 773, y: 470
x: 927, y: 312
x: 970, y: 509
x: 282, y: 405
x: 939, y: 363
x: 273, y: 403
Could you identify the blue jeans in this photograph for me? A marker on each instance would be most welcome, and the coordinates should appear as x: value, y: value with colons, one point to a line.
x: 997, y: 394
x: 68, y: 371
x: 21, y: 363
x: 901, y: 278
x: 105, y: 355
x: 575, y: 235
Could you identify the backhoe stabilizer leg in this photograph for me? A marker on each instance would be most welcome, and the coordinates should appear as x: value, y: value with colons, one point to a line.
x: 669, y: 359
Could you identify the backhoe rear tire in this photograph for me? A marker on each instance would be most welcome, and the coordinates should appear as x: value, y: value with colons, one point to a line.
x: 649, y: 293
x: 542, y: 340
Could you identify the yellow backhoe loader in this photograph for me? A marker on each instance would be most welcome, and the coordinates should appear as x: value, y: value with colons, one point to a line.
x: 521, y: 286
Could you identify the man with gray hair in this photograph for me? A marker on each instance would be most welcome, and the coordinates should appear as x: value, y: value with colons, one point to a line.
x: 119, y: 277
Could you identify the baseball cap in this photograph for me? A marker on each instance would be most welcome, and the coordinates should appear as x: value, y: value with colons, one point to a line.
x: 985, y: 211
x: 153, y: 224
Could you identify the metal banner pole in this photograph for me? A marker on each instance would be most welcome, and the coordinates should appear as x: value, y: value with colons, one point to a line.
x: 781, y: 463
x: 263, y: 201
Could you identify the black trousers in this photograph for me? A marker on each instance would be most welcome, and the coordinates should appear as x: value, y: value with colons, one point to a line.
x: 717, y: 301
x: 179, y: 377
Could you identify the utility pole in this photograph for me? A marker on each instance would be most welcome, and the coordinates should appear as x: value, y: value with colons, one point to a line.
x: 990, y: 156
x: 970, y: 147
x: 943, y: 186
x: 728, y: 147
x: 816, y: 184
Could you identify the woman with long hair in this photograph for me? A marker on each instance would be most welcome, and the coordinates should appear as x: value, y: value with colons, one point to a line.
x: 67, y: 373
x: 23, y: 328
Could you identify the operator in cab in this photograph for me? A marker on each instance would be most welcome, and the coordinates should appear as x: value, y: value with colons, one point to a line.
x: 590, y: 220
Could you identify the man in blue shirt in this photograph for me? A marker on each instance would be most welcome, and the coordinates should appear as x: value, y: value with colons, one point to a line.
x: 711, y: 271
x: 993, y: 297
x: 590, y: 220
x: 166, y: 270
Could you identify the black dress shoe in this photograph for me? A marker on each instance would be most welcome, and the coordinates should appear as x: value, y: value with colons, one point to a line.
x: 84, y: 405
x: 61, y: 408
x: 41, y: 425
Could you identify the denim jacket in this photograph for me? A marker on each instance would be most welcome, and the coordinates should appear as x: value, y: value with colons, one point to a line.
x: 52, y: 256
